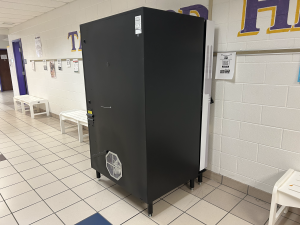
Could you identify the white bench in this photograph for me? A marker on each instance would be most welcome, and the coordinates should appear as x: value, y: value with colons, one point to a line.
x: 286, y: 192
x: 31, y: 101
x: 77, y: 116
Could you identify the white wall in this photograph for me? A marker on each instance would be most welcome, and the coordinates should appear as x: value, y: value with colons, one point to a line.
x: 255, y: 128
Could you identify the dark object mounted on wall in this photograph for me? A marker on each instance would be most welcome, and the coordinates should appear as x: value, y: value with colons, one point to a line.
x: 148, y: 84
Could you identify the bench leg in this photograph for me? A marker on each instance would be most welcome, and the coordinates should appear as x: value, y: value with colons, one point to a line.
x: 31, y: 111
x: 16, y: 105
x: 47, y: 108
x: 23, y: 107
x: 62, y: 126
x: 80, y: 133
x: 272, y: 217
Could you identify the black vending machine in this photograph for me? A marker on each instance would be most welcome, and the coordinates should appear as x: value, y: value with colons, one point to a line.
x: 147, y: 80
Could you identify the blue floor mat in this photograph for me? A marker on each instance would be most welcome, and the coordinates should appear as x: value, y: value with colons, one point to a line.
x: 95, y: 219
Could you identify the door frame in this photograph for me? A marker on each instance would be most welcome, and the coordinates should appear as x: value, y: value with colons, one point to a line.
x: 23, y: 66
x: 0, y: 77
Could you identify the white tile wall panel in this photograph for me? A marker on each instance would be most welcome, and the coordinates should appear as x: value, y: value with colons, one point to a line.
x: 151, y: 3
x: 215, y: 125
x: 228, y: 162
x: 27, y: 7
x: 264, y: 187
x: 221, y: 33
x: 243, y: 149
x: 119, y: 6
x: 217, y: 89
x: 293, y: 100
x: 217, y: 108
x: 236, y: 10
x: 184, y: 3
x: 257, y: 171
x: 270, y: 44
x: 282, y: 73
x: 104, y: 9
x: 250, y: 73
x: 278, y: 158
x: 168, y: 5
x: 213, y: 168
x: 220, y: 47
x: 236, y: 46
x: 269, y: 58
x: 214, y: 158
x: 240, y: 58
x: 238, y: 177
x: 265, y: 94
x: 242, y: 112
x: 261, y: 134
x: 233, y: 91
x: 231, y: 128
x: 132, y: 4
x: 220, y: 13
x: 291, y: 141
x: 281, y: 117
x: 215, y: 142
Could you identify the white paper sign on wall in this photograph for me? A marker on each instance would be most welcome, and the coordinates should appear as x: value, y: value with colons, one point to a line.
x: 76, y: 65
x: 225, y: 65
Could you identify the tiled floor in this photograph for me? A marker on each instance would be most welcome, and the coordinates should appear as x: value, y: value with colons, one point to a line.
x: 47, y: 179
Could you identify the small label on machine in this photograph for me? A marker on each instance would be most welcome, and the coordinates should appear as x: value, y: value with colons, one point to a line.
x: 90, y: 112
x: 138, y: 24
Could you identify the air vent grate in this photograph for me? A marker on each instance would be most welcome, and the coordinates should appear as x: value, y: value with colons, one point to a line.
x: 114, y: 165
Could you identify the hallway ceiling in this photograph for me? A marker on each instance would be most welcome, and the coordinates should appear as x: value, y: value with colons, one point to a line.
x: 13, y: 12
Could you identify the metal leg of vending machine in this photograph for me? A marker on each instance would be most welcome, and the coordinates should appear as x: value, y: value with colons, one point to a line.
x: 150, y: 209
x: 192, y: 184
x: 98, y: 175
x: 200, y: 178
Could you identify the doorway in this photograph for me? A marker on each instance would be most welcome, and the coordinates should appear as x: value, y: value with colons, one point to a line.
x: 5, y: 78
x: 20, y: 68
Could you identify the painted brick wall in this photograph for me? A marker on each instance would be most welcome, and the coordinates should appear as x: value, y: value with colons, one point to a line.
x: 255, y: 128
x: 255, y: 124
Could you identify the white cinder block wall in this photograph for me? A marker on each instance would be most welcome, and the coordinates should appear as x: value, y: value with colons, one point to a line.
x: 255, y: 121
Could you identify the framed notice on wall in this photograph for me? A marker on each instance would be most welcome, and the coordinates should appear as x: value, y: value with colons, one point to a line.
x: 225, y: 65
x: 52, y: 69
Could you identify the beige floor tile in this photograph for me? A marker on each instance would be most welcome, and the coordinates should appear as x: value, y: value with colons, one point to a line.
x: 181, y: 199
x: 49, y: 220
x: 186, y: 219
x: 4, y: 211
x: 104, y: 181
x: 75, y: 180
x: 52, y: 189
x: 82, y: 148
x: 10, y: 180
x: 51, y: 144
x: 29, y: 144
x: 7, y: 144
x: 67, y: 153
x: 41, y: 180
x: 26, y: 165
x: 8, y: 220
x: 4, y: 164
x: 136, y: 202
x: 7, y: 171
x: 119, y: 191
x: 14, y: 154
x: 41, y: 153
x: 140, y: 219
x: 251, y: 213
x: 14, y: 190
x: 83, y: 165
x: 75, y: 144
x: 75, y: 213
x: 45, y: 140
x: 62, y: 200
x: 10, y: 149
x: 163, y: 212
x: 200, y: 190
x: 87, y: 189
x: 56, y: 165
x: 22, y: 201
x: 125, y: 212
x: 206, y: 213
x: 34, y: 149
x: 230, y: 219
x: 102, y: 200
x: 65, y: 172
x: 59, y: 148
x: 222, y: 200
x: 232, y: 191
x: 292, y: 216
x: 258, y: 202
x: 75, y: 158
x: 67, y: 140
x: 32, y: 213
x: 211, y: 182
x: 86, y: 154
x: 285, y: 221
x: 20, y: 159
x: 40, y: 136
x: 23, y: 140
x: 47, y: 159
x: 34, y: 172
